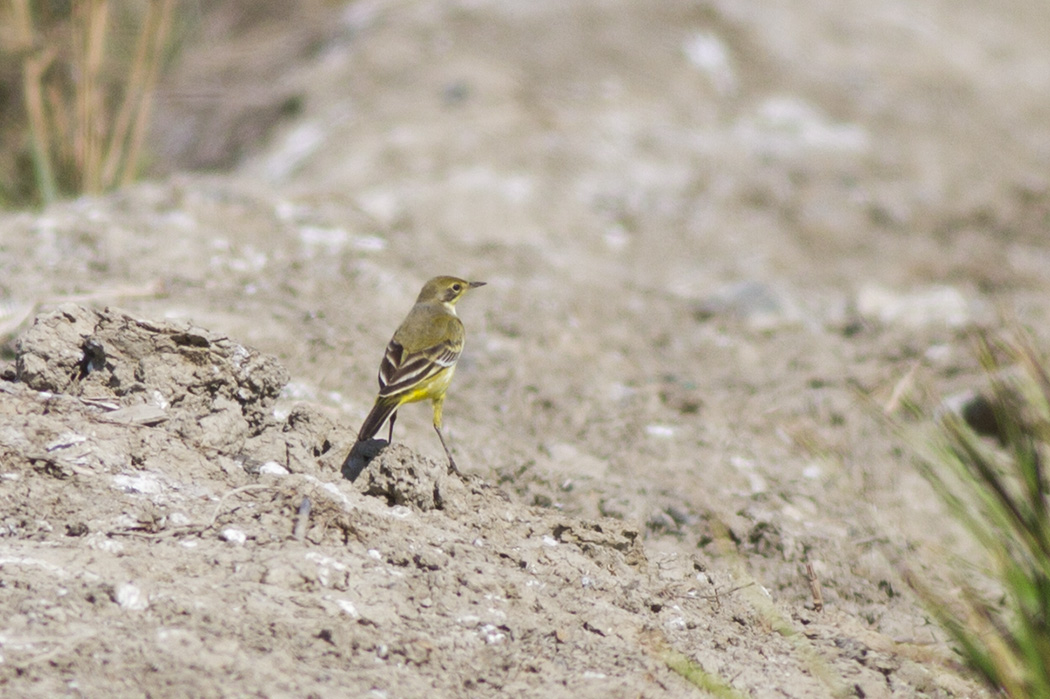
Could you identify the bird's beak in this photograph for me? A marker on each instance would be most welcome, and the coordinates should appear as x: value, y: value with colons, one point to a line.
x: 475, y: 285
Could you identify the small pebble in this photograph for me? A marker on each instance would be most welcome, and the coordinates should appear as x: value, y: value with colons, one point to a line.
x: 348, y: 607
x: 272, y: 468
x: 232, y: 535
x: 663, y: 431
x: 491, y: 634
x: 131, y: 597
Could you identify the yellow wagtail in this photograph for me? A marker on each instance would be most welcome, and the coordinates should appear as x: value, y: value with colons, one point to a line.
x: 421, y: 357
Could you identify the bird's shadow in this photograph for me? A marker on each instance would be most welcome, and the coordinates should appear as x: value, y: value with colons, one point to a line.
x: 360, y: 456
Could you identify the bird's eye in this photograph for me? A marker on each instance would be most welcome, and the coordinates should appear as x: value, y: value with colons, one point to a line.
x: 457, y: 287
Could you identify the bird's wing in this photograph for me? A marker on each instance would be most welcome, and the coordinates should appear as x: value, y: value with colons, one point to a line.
x: 401, y: 370
x: 427, y: 343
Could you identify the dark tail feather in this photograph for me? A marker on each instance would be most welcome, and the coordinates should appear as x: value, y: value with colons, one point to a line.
x: 380, y: 412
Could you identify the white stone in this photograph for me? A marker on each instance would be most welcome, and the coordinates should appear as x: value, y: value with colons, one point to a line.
x: 131, y: 597
x: 348, y: 607
x: 272, y: 468
x: 661, y: 431
x: 233, y: 535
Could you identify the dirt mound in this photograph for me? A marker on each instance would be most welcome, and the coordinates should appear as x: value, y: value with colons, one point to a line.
x: 212, y: 391
x: 150, y: 545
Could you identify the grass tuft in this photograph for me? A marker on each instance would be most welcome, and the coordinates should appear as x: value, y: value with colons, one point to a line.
x: 996, y: 486
x: 700, y: 678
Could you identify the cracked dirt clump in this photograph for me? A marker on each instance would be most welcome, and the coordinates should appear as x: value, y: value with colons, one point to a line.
x: 404, y: 477
x: 210, y: 389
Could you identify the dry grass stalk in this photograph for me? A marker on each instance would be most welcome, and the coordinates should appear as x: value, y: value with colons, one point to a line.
x: 35, y: 61
x: 158, y: 29
x: 88, y: 100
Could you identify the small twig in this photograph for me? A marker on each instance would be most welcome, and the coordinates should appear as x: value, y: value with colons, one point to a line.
x: 717, y: 596
x: 901, y: 389
x: 194, y: 528
x: 102, y: 403
x: 303, y: 519
x: 222, y: 500
x: 814, y: 588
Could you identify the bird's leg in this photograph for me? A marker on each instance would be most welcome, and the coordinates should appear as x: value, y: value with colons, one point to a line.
x: 438, y: 403
x: 451, y: 462
x: 390, y: 435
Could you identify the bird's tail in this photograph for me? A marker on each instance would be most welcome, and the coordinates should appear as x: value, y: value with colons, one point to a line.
x: 380, y: 412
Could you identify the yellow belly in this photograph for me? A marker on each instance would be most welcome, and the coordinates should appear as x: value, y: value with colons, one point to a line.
x: 432, y: 389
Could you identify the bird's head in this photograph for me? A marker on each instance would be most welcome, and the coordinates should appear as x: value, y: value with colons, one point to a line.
x: 446, y: 290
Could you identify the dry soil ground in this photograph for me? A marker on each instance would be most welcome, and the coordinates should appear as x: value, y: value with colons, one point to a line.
x: 720, y: 239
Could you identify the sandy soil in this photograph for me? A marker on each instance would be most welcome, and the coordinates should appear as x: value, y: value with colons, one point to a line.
x: 721, y: 239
